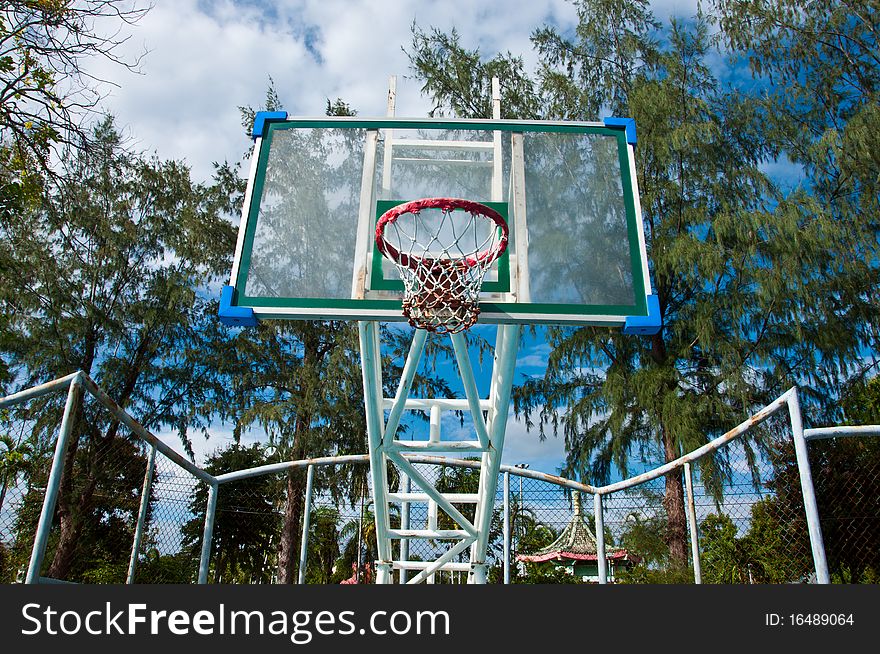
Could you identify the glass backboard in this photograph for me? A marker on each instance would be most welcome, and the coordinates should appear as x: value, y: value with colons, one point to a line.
x: 317, y: 187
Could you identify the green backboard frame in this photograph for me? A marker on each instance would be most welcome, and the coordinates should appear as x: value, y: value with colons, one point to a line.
x: 510, y: 296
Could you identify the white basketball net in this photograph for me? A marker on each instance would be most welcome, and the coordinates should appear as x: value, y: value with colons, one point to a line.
x: 442, y: 259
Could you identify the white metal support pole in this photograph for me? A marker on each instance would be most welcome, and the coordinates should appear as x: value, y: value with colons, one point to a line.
x: 372, y: 375
x: 506, y: 346
x: 52, y: 485
x: 307, y: 515
x: 600, y: 539
x: 208, y: 533
x: 806, y: 476
x: 692, y: 520
x: 142, y: 515
x: 506, y: 527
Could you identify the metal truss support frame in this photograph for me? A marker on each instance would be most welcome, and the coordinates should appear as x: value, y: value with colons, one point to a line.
x: 490, y: 422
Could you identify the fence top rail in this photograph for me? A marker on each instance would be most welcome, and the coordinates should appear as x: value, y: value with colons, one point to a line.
x: 42, y: 389
x: 702, y: 451
x: 412, y: 458
x: 122, y: 415
x: 82, y: 380
x: 833, y: 432
x: 284, y: 466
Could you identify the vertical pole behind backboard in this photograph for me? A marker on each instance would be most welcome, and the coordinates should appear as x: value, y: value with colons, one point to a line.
x: 361, y: 274
x: 389, y: 136
x: 518, y: 202
x: 489, y: 415
x: 497, y: 171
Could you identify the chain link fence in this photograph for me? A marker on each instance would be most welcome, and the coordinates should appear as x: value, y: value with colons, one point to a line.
x: 99, y: 501
x: 845, y: 464
x: 740, y: 520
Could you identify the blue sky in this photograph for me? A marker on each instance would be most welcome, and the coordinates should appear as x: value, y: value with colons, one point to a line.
x: 203, y: 59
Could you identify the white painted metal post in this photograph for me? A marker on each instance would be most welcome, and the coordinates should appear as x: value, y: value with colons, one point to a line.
x: 433, y: 526
x: 497, y: 167
x: 692, y: 519
x: 404, y: 524
x: 142, y: 515
x: 506, y: 346
x: 44, y: 526
x: 506, y: 527
x: 372, y: 377
x: 806, y: 476
x: 208, y: 533
x: 600, y: 539
x: 307, y: 515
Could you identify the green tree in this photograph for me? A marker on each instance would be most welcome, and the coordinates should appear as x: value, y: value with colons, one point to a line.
x: 722, y: 557
x: 777, y: 546
x: 360, y: 547
x: 846, y: 480
x: 861, y: 403
x: 46, y: 90
x: 736, y: 266
x: 817, y: 64
x: 645, y: 537
x: 323, y: 545
x: 15, y: 459
x: 702, y: 193
x: 246, y: 521
x: 110, y: 475
x: 118, y: 256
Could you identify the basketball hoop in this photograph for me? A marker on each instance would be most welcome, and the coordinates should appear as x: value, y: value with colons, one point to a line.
x: 443, y: 261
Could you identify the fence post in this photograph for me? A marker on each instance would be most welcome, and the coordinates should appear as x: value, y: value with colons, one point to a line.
x: 810, y: 507
x: 208, y: 534
x: 600, y: 539
x: 44, y: 526
x: 404, y: 524
x: 142, y: 515
x: 506, y: 527
x: 304, y: 542
x: 692, y: 519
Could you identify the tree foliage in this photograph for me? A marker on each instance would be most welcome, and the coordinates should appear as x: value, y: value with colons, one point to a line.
x: 107, y: 274
x: 46, y: 91
x: 246, y: 522
x: 817, y: 64
x: 737, y: 265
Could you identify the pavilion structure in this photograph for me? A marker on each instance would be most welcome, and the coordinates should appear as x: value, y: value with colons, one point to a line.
x: 576, y: 552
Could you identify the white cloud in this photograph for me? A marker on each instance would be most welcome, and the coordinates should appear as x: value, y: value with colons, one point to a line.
x: 208, y: 57
x: 219, y: 438
x: 523, y: 446
x: 534, y: 356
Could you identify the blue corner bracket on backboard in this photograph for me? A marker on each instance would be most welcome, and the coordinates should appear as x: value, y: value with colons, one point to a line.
x: 645, y: 325
x: 629, y: 124
x: 234, y: 316
x: 263, y: 117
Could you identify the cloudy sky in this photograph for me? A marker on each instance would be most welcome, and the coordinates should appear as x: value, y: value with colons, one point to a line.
x: 205, y: 58
x: 202, y: 59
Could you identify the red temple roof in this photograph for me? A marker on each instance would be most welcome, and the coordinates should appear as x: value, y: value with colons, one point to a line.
x: 575, y: 543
